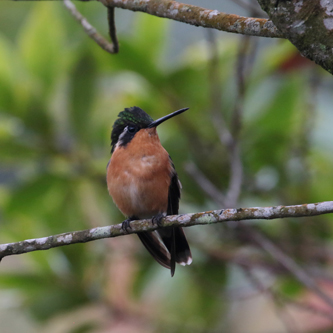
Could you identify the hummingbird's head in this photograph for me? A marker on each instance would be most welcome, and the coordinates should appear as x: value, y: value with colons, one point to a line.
x: 132, y: 120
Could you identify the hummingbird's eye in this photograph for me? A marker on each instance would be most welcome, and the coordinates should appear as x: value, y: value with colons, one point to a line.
x: 131, y: 129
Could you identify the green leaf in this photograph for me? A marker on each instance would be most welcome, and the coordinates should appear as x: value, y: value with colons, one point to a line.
x: 82, y: 88
x: 290, y: 287
x: 149, y: 35
x: 270, y: 133
x: 6, y: 73
x: 41, y: 43
x: 39, y: 195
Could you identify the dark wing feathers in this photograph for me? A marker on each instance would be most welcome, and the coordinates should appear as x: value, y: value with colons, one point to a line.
x: 174, y: 238
x: 174, y: 192
x: 174, y: 247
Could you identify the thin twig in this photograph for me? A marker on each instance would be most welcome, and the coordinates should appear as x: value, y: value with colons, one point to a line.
x: 91, y: 31
x: 199, y: 16
x: 282, y: 258
x: 112, y: 29
x: 236, y: 165
x: 248, y: 260
x: 205, y: 184
x: 287, y: 321
x: 237, y: 115
x: 236, y: 176
x: 282, y: 298
x: 185, y: 220
x: 215, y: 89
x: 310, y: 308
x: 300, y: 274
x: 227, y: 137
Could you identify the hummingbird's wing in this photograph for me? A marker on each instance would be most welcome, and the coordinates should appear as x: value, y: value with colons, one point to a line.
x: 174, y: 192
x: 174, y: 238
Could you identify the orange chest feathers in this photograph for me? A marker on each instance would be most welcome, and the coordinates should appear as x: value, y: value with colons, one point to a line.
x: 139, y: 176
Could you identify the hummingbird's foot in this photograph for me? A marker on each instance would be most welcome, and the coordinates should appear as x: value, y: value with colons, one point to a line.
x: 157, y: 219
x: 126, y: 224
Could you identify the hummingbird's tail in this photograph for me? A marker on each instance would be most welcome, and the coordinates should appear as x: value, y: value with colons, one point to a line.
x: 167, y: 246
x: 176, y: 243
x: 156, y: 248
x: 183, y: 252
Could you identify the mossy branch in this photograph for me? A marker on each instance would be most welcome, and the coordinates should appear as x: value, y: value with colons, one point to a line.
x: 307, y: 24
x: 199, y: 16
x: 184, y: 220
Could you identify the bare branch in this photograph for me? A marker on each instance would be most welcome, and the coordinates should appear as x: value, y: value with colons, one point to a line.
x: 199, y: 16
x: 236, y: 176
x: 307, y: 24
x: 279, y: 298
x: 185, y: 220
x: 236, y: 165
x: 112, y: 29
x: 236, y: 125
x: 205, y: 183
x: 286, y: 320
x: 215, y: 89
x: 92, y: 32
x: 300, y: 274
x: 228, y: 138
x: 310, y: 308
x: 287, y: 262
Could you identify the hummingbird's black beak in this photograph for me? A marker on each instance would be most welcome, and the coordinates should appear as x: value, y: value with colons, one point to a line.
x: 161, y: 120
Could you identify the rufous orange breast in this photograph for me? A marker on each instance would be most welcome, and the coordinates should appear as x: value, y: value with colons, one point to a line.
x: 139, y: 176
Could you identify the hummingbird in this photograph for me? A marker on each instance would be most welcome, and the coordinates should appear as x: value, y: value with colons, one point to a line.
x: 143, y: 183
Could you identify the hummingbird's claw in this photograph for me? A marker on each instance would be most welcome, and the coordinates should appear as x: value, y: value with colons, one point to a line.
x: 157, y: 219
x: 126, y: 225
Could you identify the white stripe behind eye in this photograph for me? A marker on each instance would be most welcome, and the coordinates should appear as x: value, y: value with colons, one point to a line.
x: 121, y: 136
x: 122, y: 133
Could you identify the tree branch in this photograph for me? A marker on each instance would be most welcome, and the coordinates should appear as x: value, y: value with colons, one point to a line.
x: 307, y: 24
x: 199, y: 16
x: 300, y: 274
x: 112, y: 29
x: 92, y: 32
x: 204, y: 183
x: 185, y: 220
x: 277, y: 301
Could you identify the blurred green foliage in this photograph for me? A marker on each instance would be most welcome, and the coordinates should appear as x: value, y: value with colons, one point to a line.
x: 59, y: 96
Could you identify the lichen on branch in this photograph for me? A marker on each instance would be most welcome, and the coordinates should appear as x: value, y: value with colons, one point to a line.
x: 184, y: 220
x: 199, y: 16
x: 307, y: 24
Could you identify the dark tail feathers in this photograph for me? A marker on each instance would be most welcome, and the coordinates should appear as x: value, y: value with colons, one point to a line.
x: 168, y: 247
